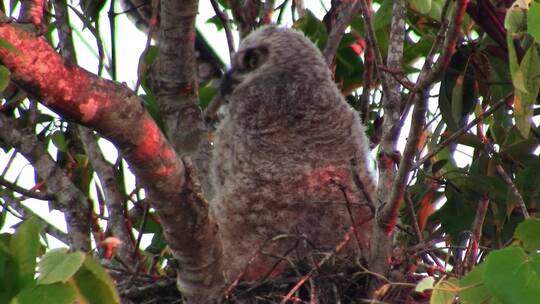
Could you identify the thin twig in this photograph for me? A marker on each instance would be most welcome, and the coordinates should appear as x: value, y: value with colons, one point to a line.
x: 412, y: 215
x: 28, y: 193
x: 151, y: 27
x: 508, y: 180
x: 95, y: 32
x: 26, y: 212
x: 141, y: 229
x: 306, y: 277
x: 9, y: 163
x: 343, y: 190
x: 478, y: 223
x: 452, y: 138
x: 112, y: 26
x: 371, y: 39
x: 224, y: 17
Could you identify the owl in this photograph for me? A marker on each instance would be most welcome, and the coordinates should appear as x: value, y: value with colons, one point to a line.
x: 281, y: 164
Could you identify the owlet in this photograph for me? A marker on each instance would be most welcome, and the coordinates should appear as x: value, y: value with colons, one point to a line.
x: 282, y: 158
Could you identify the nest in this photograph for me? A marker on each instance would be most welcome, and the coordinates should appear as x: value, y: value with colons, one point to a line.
x: 335, y: 283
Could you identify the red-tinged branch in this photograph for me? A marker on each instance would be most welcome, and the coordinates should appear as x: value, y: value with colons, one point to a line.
x: 420, y: 98
x: 477, y: 225
x: 346, y: 11
x: 32, y: 11
x: 118, y: 114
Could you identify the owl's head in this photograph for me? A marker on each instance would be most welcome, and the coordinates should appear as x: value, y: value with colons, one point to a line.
x: 268, y: 58
x: 274, y: 50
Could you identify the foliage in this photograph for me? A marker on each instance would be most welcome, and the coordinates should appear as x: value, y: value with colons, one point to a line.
x: 59, y: 277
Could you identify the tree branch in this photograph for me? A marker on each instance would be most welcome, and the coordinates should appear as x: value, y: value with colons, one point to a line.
x: 118, y: 220
x: 26, y: 212
x: 477, y: 225
x: 347, y: 10
x: 224, y: 17
x: 175, y: 84
x: 118, y: 114
x: 28, y: 193
x: 381, y: 246
x: 452, y: 138
x: 419, y: 99
x: 72, y: 202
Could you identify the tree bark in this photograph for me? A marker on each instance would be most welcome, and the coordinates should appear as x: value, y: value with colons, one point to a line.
x: 118, y: 115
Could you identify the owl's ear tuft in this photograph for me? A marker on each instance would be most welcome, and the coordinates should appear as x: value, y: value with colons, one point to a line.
x: 254, y: 58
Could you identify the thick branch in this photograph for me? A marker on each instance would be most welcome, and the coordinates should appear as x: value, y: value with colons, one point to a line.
x: 175, y: 84
x: 118, y: 114
x: 381, y: 245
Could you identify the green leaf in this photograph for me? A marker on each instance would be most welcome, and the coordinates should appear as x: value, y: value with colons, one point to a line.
x: 473, y: 289
x: 527, y: 232
x: 215, y: 21
x: 24, y: 247
x: 527, y: 76
x: 311, y: 26
x: 8, y: 269
x: 55, y: 293
x: 528, y: 179
x: 515, y: 20
x: 421, y: 6
x: 533, y: 26
x: 526, y: 90
x: 471, y: 140
x: 457, y: 99
x: 425, y: 284
x: 513, y: 276
x: 457, y: 93
x: 95, y: 284
x: 59, y: 140
x: 58, y: 266
x: 5, y: 76
x: 206, y: 93
x: 445, y: 292
x: 455, y: 216
x: 383, y: 17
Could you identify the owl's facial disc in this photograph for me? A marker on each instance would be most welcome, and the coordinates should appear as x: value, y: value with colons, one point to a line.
x: 244, y: 62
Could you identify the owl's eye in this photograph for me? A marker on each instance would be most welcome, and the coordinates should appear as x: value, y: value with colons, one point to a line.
x: 253, y: 58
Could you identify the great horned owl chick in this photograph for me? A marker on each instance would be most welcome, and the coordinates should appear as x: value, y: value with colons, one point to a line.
x: 282, y: 157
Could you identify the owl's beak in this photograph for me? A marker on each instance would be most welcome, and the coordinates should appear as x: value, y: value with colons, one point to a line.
x: 226, y: 87
x: 228, y: 82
